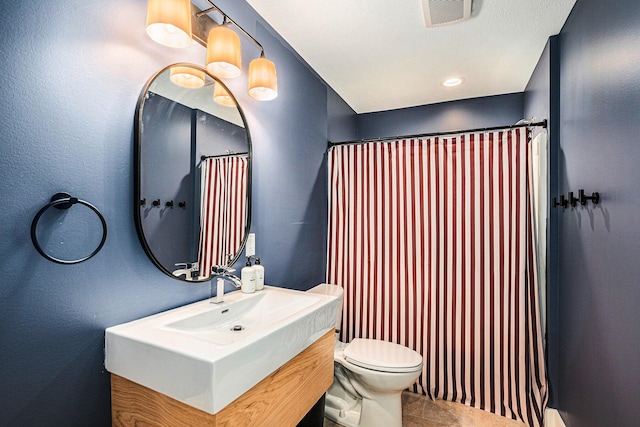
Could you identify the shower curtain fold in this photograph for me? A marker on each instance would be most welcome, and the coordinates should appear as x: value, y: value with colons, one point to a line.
x: 432, y: 241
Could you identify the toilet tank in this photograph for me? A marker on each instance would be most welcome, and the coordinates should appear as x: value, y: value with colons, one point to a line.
x: 334, y: 291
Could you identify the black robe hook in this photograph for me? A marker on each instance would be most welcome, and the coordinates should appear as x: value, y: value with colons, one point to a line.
x: 595, y: 197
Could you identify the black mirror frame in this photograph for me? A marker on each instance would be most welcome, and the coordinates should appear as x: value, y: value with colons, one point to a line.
x: 137, y: 129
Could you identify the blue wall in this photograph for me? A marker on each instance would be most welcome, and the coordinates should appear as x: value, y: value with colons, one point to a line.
x: 599, y: 246
x: 72, y: 72
x: 447, y: 116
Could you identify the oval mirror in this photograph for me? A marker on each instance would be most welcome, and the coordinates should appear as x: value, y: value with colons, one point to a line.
x: 192, y: 204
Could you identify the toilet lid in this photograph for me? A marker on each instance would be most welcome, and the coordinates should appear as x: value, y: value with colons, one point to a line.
x: 382, y: 356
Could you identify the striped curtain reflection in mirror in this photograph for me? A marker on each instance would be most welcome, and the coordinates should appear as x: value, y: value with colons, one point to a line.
x: 223, y: 204
x: 432, y: 241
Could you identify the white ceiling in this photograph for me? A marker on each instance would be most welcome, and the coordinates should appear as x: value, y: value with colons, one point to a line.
x: 379, y: 55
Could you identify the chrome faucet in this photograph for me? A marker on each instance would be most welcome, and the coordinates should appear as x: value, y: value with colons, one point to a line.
x: 222, y: 273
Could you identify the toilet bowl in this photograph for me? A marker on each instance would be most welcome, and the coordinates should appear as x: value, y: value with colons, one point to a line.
x: 369, y: 377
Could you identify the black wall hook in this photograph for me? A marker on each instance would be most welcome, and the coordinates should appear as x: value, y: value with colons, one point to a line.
x: 573, y: 201
x: 156, y: 202
x: 595, y: 197
x: 563, y: 202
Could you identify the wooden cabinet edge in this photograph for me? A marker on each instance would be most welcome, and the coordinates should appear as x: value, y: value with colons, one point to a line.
x: 281, y: 399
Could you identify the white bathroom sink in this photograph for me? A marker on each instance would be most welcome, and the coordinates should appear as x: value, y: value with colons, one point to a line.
x: 240, y: 318
x: 207, y: 355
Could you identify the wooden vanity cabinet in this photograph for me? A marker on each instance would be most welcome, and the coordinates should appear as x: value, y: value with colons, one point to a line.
x: 280, y: 400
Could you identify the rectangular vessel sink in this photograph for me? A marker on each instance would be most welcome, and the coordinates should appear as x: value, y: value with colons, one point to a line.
x: 207, y: 355
x: 231, y: 322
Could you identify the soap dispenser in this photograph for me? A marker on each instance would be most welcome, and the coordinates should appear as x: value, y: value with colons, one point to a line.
x: 259, y: 275
x: 248, y: 278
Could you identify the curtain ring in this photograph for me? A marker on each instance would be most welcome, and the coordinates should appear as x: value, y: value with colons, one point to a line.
x: 65, y: 201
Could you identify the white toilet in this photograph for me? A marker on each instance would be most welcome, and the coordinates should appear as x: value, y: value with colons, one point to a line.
x: 369, y: 377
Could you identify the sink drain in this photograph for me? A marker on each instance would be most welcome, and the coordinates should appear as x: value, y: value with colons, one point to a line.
x: 237, y: 328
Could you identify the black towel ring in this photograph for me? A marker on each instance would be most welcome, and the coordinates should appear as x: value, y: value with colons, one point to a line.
x: 65, y: 201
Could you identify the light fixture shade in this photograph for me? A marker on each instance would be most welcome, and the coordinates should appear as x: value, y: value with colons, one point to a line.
x: 263, y: 82
x: 224, y: 58
x: 187, y: 77
x: 169, y: 22
x: 222, y: 97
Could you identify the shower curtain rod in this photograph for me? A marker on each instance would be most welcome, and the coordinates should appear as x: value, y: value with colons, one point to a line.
x: 203, y: 157
x: 542, y: 123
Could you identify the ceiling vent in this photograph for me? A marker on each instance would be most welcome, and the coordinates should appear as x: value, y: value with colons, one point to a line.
x: 445, y: 12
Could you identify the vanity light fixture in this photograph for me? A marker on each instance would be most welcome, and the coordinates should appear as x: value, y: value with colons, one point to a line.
x: 166, y: 25
x: 187, y: 77
x: 222, y: 97
x: 169, y: 22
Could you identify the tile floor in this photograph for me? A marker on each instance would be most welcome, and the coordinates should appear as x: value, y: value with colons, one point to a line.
x: 420, y: 411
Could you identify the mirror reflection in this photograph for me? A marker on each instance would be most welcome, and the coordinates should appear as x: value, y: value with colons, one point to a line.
x: 193, y: 178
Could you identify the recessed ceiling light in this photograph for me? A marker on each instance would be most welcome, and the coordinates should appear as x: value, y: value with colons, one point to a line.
x: 453, y: 81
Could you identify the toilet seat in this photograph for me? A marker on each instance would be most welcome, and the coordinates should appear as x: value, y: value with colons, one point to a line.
x: 382, y: 356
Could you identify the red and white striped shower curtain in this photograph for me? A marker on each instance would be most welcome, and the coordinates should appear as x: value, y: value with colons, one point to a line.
x: 431, y: 240
x: 223, y: 209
